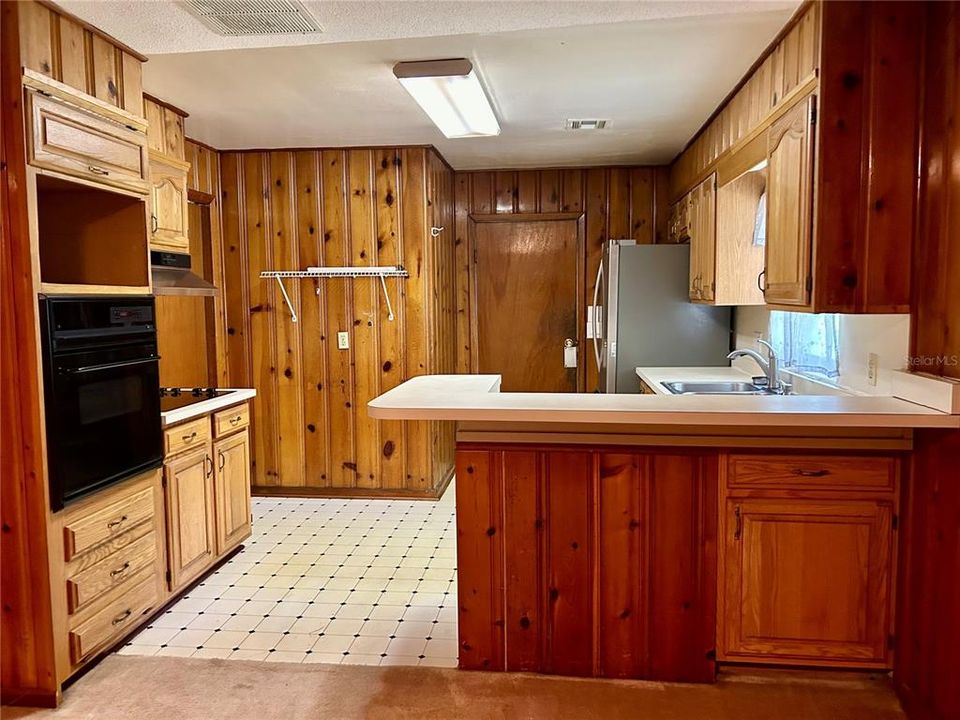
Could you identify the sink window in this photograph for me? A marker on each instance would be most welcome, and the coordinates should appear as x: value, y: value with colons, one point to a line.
x: 807, y: 343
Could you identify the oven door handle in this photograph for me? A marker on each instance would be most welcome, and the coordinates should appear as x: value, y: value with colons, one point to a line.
x: 110, y: 366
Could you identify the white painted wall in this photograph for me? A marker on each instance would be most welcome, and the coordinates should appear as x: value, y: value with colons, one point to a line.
x: 886, y: 335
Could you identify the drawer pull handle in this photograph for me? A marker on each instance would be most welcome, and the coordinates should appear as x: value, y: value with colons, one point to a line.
x: 811, y: 473
x: 190, y: 437
x: 113, y: 523
x: 235, y: 420
x: 154, y: 224
x: 120, y: 570
x: 208, y: 459
x: 97, y: 170
x: 121, y: 617
x: 738, y: 526
x: 222, y: 460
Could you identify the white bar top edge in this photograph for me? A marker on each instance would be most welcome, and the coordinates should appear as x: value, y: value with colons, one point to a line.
x: 477, y: 397
x: 205, y: 407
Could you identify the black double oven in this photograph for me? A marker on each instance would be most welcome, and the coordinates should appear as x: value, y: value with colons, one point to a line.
x: 101, y: 392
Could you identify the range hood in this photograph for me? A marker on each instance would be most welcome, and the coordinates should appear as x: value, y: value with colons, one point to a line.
x: 172, y: 276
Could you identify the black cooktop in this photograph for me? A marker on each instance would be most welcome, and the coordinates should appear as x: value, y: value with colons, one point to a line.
x: 173, y: 398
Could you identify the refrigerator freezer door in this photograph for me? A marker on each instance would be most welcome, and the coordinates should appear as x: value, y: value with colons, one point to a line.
x: 657, y: 325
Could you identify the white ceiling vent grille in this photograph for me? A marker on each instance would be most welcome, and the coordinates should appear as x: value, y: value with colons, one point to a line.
x: 253, y: 17
x: 586, y: 124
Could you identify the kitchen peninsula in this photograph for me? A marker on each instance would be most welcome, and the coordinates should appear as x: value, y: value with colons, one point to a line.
x: 647, y: 536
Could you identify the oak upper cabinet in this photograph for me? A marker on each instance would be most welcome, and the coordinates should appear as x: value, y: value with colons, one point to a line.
x: 168, y: 204
x: 786, y: 278
x: 191, y: 529
x: 807, y: 560
x: 703, y: 240
x: 836, y: 102
x: 232, y: 489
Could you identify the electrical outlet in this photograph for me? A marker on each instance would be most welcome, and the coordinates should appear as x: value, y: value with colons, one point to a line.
x: 872, y: 361
x: 343, y: 340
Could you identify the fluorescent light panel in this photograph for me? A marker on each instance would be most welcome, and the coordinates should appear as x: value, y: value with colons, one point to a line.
x: 450, y: 92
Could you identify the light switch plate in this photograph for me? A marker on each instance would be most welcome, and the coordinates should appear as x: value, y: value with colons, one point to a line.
x: 343, y: 340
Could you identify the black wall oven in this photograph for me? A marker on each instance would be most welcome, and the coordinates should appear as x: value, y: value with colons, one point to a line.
x: 101, y: 392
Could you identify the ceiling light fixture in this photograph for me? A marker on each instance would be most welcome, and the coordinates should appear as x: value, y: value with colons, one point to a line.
x: 450, y: 92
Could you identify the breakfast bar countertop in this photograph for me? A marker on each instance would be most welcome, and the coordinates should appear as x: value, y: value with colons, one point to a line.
x: 478, y: 398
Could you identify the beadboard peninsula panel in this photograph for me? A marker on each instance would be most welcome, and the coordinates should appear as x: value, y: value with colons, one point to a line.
x: 286, y: 210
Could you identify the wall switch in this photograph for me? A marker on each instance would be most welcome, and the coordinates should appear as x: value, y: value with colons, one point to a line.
x: 872, y: 362
x: 343, y: 340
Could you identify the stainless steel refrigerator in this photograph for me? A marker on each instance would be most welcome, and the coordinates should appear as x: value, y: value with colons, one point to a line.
x: 642, y: 315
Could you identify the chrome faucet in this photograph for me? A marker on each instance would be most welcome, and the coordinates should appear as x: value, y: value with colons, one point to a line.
x: 769, y: 365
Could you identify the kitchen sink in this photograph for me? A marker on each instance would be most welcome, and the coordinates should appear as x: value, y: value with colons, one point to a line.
x: 715, y: 388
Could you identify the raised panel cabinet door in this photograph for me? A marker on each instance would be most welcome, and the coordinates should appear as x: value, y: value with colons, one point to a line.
x: 807, y: 581
x: 232, y: 490
x: 168, y: 196
x: 191, y: 542
x: 790, y: 159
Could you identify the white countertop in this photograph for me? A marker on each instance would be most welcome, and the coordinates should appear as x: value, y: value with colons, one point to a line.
x: 477, y: 397
x: 204, y: 407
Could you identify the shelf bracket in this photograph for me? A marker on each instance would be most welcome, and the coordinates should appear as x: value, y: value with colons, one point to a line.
x: 386, y: 296
x: 293, y: 313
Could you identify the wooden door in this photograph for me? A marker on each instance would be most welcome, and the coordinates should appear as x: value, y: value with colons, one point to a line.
x: 168, y: 199
x: 528, y: 281
x: 703, y: 240
x: 190, y: 515
x: 790, y: 147
x: 232, y: 490
x: 807, y: 581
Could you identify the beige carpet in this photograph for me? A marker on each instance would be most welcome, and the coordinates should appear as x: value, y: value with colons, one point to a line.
x: 148, y: 688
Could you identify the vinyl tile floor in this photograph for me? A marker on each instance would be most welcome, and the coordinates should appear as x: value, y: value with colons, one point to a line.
x: 368, y: 582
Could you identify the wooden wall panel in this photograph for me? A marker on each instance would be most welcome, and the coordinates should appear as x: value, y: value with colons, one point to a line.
x: 587, y: 562
x: 936, y: 319
x: 367, y: 206
x: 28, y: 673
x: 618, y: 202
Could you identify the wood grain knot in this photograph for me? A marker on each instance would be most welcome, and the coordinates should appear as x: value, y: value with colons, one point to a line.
x: 525, y: 622
x: 311, y: 427
x: 625, y: 614
x: 634, y: 524
x: 491, y: 531
x: 850, y: 80
x: 387, y: 366
x: 554, y: 594
x: 388, y: 448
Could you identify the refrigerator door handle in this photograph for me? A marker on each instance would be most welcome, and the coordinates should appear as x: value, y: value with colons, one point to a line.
x: 596, y: 295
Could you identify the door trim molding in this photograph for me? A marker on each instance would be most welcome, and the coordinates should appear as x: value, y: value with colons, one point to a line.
x: 580, y: 219
x: 525, y: 217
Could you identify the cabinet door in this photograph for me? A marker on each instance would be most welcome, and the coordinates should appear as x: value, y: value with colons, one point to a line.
x: 703, y: 233
x: 790, y: 146
x: 232, y: 490
x: 806, y: 581
x: 168, y: 197
x: 190, y: 515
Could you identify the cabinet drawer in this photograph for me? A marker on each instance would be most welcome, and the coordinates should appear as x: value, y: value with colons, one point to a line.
x: 89, y: 583
x: 186, y: 436
x: 93, y: 525
x: 812, y: 472
x: 120, y: 614
x: 81, y: 143
x: 231, y: 419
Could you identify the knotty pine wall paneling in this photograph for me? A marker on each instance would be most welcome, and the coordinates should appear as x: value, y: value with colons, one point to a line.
x: 617, y: 202
x: 363, y: 206
x: 926, y: 673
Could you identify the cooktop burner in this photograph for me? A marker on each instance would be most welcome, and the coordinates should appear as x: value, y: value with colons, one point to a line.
x: 173, y: 398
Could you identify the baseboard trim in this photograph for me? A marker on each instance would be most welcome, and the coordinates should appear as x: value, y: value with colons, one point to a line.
x: 29, y: 697
x: 340, y: 493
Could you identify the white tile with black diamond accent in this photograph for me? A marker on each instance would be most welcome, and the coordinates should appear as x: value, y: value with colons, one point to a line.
x: 361, y: 582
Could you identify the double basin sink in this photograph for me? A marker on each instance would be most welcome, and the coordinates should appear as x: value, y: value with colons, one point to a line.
x: 717, y: 388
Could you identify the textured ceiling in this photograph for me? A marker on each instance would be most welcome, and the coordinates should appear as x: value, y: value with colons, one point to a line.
x: 159, y: 26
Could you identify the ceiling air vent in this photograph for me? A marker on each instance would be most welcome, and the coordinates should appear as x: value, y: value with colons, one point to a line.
x: 585, y: 124
x: 253, y: 17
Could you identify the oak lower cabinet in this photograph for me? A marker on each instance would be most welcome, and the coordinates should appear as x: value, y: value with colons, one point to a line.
x: 807, y: 559
x: 207, y: 491
x: 232, y: 490
x: 191, y: 518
